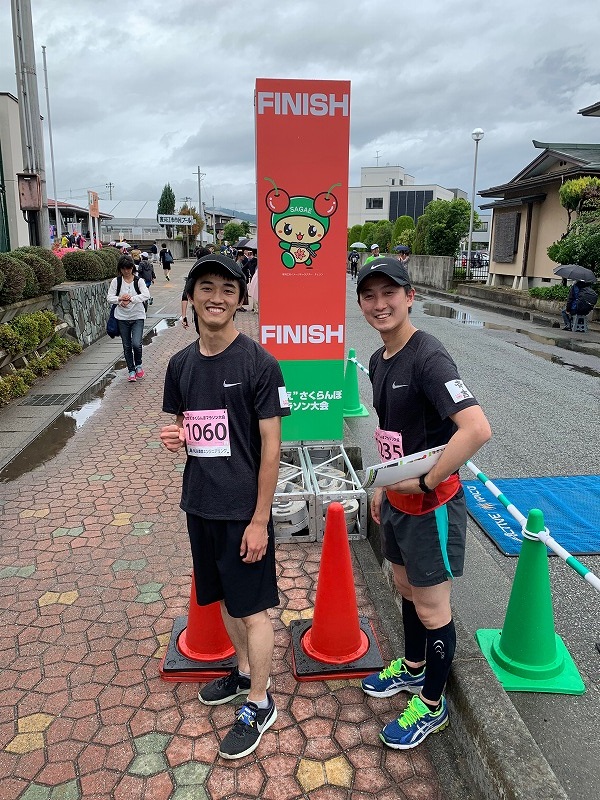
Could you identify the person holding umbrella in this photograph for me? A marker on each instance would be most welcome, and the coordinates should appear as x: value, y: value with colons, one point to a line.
x: 571, y: 308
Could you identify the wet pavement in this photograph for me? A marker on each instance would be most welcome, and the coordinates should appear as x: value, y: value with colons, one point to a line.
x: 95, y: 567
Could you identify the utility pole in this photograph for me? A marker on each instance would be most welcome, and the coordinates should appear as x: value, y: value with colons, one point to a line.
x: 32, y: 139
x: 214, y: 224
x: 200, y: 207
x: 110, y: 187
x: 57, y: 218
x: 377, y: 158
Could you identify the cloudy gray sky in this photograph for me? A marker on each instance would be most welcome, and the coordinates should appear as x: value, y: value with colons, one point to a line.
x: 142, y: 92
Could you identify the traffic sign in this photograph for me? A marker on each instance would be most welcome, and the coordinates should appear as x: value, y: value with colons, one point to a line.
x: 175, y: 219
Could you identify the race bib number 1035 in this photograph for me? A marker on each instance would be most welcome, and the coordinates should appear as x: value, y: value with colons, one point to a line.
x: 207, y: 433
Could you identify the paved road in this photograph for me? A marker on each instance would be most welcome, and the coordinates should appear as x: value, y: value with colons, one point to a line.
x: 541, y: 391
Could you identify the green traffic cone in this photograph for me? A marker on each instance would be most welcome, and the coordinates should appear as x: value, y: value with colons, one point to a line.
x: 352, y: 405
x: 527, y: 655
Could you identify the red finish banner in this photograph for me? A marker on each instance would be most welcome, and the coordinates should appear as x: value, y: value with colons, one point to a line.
x: 302, y: 146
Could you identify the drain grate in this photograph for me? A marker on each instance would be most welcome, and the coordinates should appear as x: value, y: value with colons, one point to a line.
x: 47, y: 399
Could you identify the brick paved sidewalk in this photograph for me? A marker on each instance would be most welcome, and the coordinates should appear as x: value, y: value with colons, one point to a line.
x: 94, y: 568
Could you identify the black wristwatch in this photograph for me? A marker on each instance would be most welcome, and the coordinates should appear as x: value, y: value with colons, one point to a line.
x: 423, y: 486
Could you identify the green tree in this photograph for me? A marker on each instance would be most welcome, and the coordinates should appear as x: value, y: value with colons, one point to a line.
x: 420, y: 235
x: 354, y: 235
x: 383, y: 235
x: 447, y: 222
x: 246, y: 226
x: 580, y: 244
x: 190, y: 232
x: 166, y: 205
x: 402, y: 224
x: 367, y: 234
x: 407, y: 237
x: 232, y: 232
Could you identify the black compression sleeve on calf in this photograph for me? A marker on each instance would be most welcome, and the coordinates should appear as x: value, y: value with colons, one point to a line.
x: 441, y: 644
x: 414, y: 632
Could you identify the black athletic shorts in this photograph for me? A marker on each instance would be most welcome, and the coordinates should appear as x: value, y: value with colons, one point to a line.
x: 431, y: 547
x: 220, y: 573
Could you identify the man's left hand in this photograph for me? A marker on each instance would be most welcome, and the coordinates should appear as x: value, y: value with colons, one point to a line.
x: 410, y: 486
x: 254, y: 543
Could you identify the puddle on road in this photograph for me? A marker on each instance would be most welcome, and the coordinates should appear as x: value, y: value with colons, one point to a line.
x: 56, y: 436
x: 160, y: 327
x: 564, y: 342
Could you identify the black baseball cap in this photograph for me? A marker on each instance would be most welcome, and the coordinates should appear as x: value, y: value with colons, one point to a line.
x: 214, y: 262
x: 384, y: 265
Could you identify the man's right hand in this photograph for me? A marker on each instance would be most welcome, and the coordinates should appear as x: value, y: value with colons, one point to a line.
x: 172, y: 436
x: 376, y: 505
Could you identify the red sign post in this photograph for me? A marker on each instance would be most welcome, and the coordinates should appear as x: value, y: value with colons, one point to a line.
x: 302, y: 144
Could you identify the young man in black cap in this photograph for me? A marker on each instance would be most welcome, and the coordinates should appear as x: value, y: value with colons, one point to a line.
x: 421, y: 403
x: 228, y: 396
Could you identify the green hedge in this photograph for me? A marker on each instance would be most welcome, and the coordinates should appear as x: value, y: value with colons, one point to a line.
x: 15, y: 278
x: 18, y: 383
x: 28, y: 272
x: 83, y: 265
x: 557, y: 292
x: 44, y: 273
x: 25, y: 332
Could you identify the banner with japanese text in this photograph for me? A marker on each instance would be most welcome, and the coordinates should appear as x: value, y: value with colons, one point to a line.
x: 302, y: 150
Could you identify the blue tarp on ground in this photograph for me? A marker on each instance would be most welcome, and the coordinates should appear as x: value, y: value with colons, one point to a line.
x: 571, y: 508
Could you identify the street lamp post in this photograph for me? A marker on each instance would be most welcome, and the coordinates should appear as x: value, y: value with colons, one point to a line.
x: 477, y: 136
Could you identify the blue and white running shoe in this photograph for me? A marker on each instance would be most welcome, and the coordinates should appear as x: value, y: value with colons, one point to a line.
x: 415, y: 723
x: 393, y: 679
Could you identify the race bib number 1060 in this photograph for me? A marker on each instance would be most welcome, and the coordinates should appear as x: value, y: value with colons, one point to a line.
x: 207, y: 433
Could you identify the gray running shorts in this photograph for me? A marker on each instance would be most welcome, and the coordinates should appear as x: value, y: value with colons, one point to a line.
x: 431, y: 546
x: 220, y: 573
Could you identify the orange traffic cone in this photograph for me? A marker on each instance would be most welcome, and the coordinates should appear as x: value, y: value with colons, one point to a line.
x: 336, y: 642
x: 200, y: 648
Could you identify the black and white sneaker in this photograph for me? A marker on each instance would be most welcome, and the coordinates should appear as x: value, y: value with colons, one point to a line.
x: 250, y: 724
x: 224, y: 689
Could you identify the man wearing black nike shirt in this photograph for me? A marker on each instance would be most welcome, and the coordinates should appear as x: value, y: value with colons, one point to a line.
x: 421, y: 403
x: 228, y: 396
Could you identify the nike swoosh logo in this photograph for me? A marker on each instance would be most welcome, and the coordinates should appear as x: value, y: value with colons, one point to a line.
x: 227, y: 385
x: 399, y: 385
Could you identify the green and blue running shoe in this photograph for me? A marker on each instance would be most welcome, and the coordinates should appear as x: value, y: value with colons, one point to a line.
x: 393, y: 679
x: 415, y: 723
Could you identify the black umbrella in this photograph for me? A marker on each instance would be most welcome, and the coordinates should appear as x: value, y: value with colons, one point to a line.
x: 401, y: 248
x: 574, y: 272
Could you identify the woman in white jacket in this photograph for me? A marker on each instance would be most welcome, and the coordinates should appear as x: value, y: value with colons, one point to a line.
x: 129, y: 294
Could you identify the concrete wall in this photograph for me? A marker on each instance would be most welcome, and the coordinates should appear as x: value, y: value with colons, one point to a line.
x: 433, y: 271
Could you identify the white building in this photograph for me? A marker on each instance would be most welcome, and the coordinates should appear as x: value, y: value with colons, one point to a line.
x: 390, y: 192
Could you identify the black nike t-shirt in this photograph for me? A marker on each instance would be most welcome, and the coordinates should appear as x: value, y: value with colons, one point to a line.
x: 416, y: 391
x: 247, y: 382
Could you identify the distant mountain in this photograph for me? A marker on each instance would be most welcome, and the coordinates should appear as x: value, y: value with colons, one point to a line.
x: 231, y: 212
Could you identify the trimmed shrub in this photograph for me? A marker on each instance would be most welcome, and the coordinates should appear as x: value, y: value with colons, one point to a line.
x: 32, y: 287
x: 10, y: 340
x: 557, y: 292
x: 16, y: 386
x: 46, y: 322
x: 28, y: 375
x: 39, y: 369
x: 44, y: 273
x: 52, y: 360
x: 15, y: 278
x: 109, y: 257
x: 1, y: 279
x: 83, y: 265
x: 27, y: 328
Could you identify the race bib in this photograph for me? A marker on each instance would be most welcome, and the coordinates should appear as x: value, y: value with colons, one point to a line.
x: 207, y: 433
x: 389, y: 444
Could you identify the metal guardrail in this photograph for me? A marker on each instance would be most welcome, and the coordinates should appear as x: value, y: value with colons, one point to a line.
x: 478, y: 270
